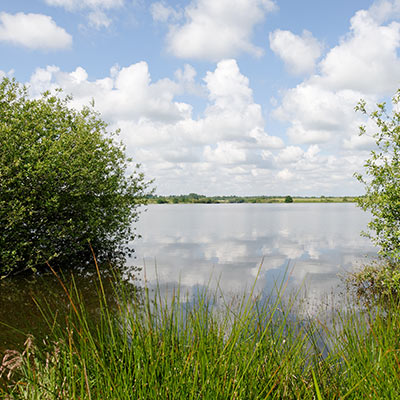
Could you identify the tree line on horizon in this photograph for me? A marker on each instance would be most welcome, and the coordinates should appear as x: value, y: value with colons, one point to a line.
x: 203, y: 199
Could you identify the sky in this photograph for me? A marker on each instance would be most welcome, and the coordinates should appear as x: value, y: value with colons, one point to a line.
x: 218, y: 97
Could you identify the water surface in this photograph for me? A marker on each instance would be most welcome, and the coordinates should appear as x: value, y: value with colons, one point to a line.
x: 201, y: 245
x: 192, y: 243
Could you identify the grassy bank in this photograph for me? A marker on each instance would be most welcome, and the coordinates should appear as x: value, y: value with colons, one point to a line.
x: 205, y: 348
x: 194, y: 198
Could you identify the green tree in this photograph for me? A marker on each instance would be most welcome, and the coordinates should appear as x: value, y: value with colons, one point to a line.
x: 288, y: 199
x: 382, y: 178
x: 63, y: 182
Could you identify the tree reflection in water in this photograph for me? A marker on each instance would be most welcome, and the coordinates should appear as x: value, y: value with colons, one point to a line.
x: 19, y: 296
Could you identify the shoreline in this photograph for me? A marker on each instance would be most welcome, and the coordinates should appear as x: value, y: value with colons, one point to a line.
x: 198, y: 199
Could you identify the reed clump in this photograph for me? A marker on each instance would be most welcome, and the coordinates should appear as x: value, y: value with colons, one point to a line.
x: 206, y: 348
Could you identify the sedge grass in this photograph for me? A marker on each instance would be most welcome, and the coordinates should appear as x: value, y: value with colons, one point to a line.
x: 203, y: 348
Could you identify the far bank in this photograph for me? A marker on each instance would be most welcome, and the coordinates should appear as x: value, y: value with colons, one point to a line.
x: 198, y: 198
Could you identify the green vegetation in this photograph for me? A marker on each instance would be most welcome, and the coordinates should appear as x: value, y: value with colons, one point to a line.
x: 382, y: 181
x: 382, y: 200
x: 63, y: 182
x: 288, y: 199
x: 201, y: 199
x: 377, y: 281
x: 249, y: 348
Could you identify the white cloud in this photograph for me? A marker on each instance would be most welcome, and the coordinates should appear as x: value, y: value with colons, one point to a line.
x: 316, y: 114
x: 285, y: 174
x: 312, y: 152
x: 128, y: 94
x: 97, y: 9
x: 364, y: 142
x: 186, y: 78
x: 226, y: 153
x: 214, y: 30
x: 366, y: 60
x: 232, y: 113
x: 34, y: 31
x: 226, y: 143
x: 264, y: 141
x: 365, y: 64
x: 4, y: 74
x: 98, y: 19
x: 359, y: 143
x: 93, y: 4
x: 290, y: 154
x: 307, y: 166
x: 384, y: 10
x: 228, y: 87
x: 299, y: 53
x: 79, y: 75
x: 162, y: 13
x: 224, y: 150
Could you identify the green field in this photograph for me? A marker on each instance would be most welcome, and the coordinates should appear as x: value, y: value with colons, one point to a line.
x: 197, y: 198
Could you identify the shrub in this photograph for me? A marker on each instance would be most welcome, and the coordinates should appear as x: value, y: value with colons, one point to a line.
x: 382, y: 180
x: 63, y: 182
x: 382, y: 200
x: 288, y: 199
x: 377, y: 282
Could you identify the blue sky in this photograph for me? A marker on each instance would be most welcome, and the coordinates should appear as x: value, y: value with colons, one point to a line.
x: 218, y: 96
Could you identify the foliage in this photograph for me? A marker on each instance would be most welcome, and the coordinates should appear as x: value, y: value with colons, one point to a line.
x: 63, y: 182
x: 180, y: 348
x: 288, y: 199
x: 378, y: 281
x: 194, y: 198
x: 382, y: 180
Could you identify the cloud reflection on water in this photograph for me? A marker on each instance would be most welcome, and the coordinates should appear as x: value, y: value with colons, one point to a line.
x: 201, y: 244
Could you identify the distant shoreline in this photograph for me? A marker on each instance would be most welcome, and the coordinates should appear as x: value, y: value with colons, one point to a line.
x: 199, y: 199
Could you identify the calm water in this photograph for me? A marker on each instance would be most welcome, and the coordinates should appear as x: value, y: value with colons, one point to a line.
x: 227, y: 242
x: 200, y: 245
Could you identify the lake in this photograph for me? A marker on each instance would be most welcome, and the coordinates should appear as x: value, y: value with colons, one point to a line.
x: 201, y: 244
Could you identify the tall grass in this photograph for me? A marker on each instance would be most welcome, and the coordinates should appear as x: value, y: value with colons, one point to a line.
x: 205, y: 348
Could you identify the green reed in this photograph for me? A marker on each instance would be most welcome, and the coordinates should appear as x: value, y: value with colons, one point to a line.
x: 206, y: 347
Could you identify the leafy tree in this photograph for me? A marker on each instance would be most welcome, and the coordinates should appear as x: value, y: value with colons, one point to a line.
x: 288, y: 199
x: 63, y: 182
x: 382, y: 180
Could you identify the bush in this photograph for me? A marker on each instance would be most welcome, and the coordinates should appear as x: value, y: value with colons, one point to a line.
x: 382, y: 180
x: 382, y: 200
x: 63, y: 182
x: 288, y: 199
x: 377, y: 282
